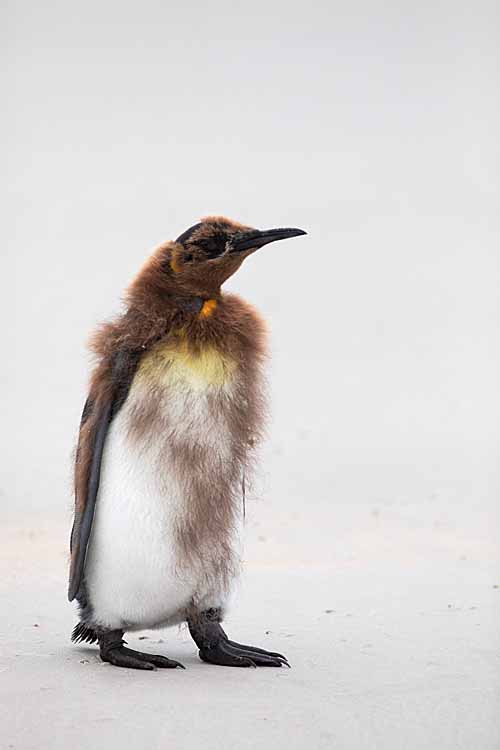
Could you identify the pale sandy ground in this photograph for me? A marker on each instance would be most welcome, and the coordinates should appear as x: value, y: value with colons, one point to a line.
x: 390, y: 622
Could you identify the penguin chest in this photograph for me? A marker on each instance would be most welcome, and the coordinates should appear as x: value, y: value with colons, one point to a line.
x: 166, y: 531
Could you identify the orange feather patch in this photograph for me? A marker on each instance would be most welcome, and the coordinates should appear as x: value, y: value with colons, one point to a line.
x: 175, y: 264
x: 208, y: 307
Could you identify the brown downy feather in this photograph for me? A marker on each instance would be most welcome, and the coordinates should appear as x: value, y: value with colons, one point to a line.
x: 160, y: 302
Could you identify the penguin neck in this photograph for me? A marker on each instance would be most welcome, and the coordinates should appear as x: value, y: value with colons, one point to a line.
x: 201, y: 305
x: 200, y: 298
x: 187, y: 304
x: 149, y: 317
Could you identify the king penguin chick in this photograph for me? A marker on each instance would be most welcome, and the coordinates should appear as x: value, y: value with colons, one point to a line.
x: 167, y: 433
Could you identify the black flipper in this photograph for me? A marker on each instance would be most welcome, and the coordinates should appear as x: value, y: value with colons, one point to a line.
x: 99, y: 410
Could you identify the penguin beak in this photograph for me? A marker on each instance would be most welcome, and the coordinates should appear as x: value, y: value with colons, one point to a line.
x: 255, y: 238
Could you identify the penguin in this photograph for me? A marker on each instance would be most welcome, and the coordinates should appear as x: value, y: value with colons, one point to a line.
x: 174, y: 412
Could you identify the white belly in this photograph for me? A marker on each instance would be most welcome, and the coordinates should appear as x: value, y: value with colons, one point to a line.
x: 134, y: 575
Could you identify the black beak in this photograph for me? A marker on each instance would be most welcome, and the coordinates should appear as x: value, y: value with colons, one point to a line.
x: 255, y: 238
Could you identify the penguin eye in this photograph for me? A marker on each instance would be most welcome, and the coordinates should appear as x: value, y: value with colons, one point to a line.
x: 213, y: 246
x: 188, y: 257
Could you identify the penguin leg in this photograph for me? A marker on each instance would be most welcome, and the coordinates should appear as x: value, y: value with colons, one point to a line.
x: 112, y: 650
x: 216, y: 648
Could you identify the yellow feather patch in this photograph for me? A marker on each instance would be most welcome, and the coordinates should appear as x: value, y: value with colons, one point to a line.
x: 208, y: 307
x: 175, y: 364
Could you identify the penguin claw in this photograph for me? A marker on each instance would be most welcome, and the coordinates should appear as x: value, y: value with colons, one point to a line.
x: 224, y: 656
x: 230, y: 654
x: 128, y: 658
x: 262, y: 652
x: 163, y: 662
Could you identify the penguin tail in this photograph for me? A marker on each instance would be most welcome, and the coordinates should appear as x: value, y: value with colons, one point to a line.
x: 83, y: 634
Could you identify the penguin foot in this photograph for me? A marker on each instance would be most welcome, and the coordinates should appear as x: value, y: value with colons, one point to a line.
x: 231, y: 654
x: 127, y: 657
x: 261, y: 652
x: 113, y: 651
x: 216, y: 648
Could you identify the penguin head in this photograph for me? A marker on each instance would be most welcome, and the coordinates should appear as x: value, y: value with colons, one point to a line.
x: 192, y: 269
x: 204, y: 256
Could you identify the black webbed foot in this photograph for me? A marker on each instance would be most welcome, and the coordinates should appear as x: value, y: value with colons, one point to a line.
x: 216, y: 648
x: 127, y: 657
x: 229, y: 654
x: 256, y: 653
x: 113, y: 651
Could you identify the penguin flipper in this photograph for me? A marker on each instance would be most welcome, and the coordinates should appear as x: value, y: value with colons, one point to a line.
x: 105, y: 400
